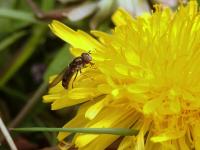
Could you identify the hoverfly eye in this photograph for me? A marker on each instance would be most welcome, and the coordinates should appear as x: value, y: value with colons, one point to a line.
x: 89, y: 58
x: 86, y: 57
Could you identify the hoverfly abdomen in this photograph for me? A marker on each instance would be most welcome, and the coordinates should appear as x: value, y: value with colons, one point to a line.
x: 66, y: 79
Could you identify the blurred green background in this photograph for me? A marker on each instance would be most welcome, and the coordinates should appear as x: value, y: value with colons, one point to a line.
x: 30, y: 53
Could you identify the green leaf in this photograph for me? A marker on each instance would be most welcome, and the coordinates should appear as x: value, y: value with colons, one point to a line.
x: 198, y: 2
x: 114, y: 131
x: 16, y: 14
x: 11, y: 39
x: 61, y: 60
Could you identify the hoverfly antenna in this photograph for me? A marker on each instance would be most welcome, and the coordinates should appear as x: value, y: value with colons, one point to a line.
x: 89, y: 52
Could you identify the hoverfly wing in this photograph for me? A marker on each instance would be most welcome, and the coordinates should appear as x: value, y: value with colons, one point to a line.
x: 58, y: 78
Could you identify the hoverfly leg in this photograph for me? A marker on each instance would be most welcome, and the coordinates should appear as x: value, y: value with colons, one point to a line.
x: 92, y: 64
x: 75, y: 78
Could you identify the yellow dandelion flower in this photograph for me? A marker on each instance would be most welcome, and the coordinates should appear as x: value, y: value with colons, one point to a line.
x: 146, y: 76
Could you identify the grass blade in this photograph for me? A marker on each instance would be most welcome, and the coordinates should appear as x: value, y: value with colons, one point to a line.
x: 29, y: 105
x: 11, y: 39
x: 17, y: 14
x: 7, y: 135
x: 26, y: 52
x: 114, y: 131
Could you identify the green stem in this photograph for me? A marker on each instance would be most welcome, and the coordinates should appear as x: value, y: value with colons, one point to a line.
x: 114, y: 131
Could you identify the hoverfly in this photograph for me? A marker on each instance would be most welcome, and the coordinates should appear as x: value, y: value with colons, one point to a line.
x: 74, y: 67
